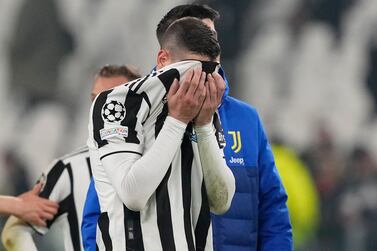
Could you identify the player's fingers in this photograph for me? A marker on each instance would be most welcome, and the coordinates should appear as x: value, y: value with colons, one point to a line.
x: 38, y: 221
x: 41, y: 223
x: 37, y: 188
x: 202, y: 80
x: 220, y: 85
x: 173, y: 88
x: 186, y: 80
x: 202, y: 93
x: 47, y: 216
x: 195, y: 81
x: 50, y: 209
x: 207, y: 99
x: 201, y: 86
x: 49, y: 203
x: 212, y: 88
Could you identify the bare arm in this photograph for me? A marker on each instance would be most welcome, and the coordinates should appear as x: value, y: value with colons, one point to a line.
x: 29, y: 206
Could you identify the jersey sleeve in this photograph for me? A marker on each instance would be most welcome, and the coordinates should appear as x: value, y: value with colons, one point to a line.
x: 116, y: 124
x: 56, y: 187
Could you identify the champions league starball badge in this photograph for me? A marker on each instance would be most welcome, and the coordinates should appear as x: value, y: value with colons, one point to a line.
x: 113, y: 111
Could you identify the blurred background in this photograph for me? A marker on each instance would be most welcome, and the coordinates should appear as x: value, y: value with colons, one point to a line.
x: 308, y: 66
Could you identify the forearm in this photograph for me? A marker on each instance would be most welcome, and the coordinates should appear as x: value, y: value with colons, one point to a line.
x: 17, y: 235
x: 9, y: 205
x: 145, y: 174
x: 218, y: 178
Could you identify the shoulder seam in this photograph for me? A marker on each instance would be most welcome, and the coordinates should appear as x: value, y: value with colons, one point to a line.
x: 79, y: 151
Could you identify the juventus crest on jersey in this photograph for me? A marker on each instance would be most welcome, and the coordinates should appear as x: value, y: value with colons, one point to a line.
x: 126, y: 121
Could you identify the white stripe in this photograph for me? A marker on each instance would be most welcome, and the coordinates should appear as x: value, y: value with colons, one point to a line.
x: 149, y: 226
x: 176, y: 203
x: 196, y: 186
x: 81, y: 180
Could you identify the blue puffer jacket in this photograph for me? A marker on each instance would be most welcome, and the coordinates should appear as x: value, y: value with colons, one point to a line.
x: 258, y: 218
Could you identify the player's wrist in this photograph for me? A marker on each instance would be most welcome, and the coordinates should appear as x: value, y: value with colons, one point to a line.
x: 204, y: 131
x: 16, y: 207
x: 179, y: 119
x: 203, y: 120
x: 176, y: 122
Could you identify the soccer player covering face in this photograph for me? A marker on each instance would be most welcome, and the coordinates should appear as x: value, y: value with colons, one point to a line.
x: 157, y: 165
x: 65, y: 182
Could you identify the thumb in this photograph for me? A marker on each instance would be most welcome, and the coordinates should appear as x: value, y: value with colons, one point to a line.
x: 173, y: 88
x: 37, y: 188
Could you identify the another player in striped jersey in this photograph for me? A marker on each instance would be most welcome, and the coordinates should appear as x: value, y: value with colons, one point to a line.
x: 149, y: 180
x: 66, y: 182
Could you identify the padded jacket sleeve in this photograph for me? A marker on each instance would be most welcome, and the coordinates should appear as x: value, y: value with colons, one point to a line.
x: 275, y: 231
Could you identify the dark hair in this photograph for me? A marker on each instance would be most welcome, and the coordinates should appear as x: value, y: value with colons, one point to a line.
x: 191, y: 35
x: 127, y: 71
x: 185, y: 10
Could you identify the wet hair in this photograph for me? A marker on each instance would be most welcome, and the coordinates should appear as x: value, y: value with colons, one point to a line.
x: 185, y: 10
x: 190, y: 34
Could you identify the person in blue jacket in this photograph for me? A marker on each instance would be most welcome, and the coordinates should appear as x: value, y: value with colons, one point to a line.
x: 258, y: 218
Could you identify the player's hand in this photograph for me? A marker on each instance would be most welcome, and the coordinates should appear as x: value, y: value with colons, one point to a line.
x: 215, y: 87
x: 34, y: 209
x: 186, y: 99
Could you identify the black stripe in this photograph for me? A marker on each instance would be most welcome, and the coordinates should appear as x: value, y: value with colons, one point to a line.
x: 89, y: 167
x: 141, y: 82
x: 118, y: 152
x: 132, y: 104
x: 219, y: 131
x: 67, y: 205
x: 52, y: 178
x: 103, y: 225
x: 134, y: 82
x: 146, y: 98
x: 202, y: 227
x: 63, y: 208
x: 72, y: 215
x: 132, y: 228
x: 168, y: 77
x: 186, y: 167
x: 98, y: 122
x: 161, y: 119
x: 164, y: 221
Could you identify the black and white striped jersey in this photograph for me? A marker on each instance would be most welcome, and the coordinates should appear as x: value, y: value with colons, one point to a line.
x: 126, y: 121
x: 67, y: 182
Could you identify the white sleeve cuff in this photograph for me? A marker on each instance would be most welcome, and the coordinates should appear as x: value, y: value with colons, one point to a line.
x: 205, y: 131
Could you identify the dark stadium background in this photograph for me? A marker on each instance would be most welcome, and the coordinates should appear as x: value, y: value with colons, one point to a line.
x: 308, y: 66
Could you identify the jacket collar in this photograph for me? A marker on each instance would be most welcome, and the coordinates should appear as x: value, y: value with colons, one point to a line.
x: 226, y: 92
